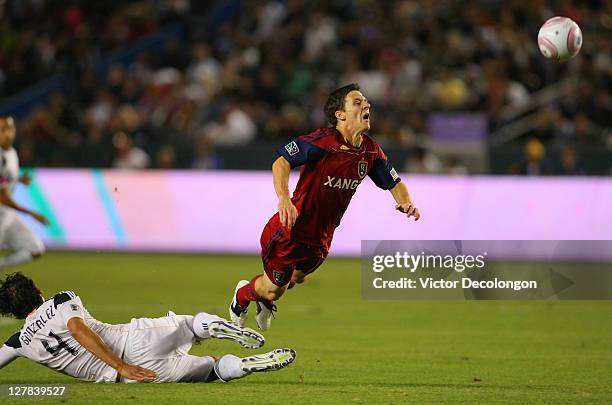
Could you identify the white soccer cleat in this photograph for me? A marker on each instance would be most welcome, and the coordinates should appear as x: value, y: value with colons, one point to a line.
x: 246, y: 337
x: 271, y: 361
x: 238, y: 315
x: 264, y: 315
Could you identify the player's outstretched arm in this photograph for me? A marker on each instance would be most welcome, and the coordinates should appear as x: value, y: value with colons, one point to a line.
x: 404, y: 202
x: 6, y: 199
x: 286, y: 210
x: 92, y: 342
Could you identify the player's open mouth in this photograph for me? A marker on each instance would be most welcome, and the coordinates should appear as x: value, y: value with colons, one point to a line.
x: 366, y: 117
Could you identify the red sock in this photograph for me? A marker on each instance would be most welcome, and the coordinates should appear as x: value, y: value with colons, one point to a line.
x: 248, y: 293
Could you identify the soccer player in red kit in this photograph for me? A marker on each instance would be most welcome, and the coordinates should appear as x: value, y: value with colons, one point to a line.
x: 333, y: 161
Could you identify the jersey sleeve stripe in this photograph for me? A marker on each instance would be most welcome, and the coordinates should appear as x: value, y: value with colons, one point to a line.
x: 315, y: 136
x: 14, y: 341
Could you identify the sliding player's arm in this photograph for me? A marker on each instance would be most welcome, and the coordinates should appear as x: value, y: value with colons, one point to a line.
x: 6, y: 199
x: 7, y: 355
x: 93, y: 343
x: 404, y: 202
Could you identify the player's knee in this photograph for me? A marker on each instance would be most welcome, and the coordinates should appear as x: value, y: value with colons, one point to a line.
x: 298, y: 278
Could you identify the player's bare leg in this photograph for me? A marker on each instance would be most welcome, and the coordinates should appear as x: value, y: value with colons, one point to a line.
x: 298, y: 277
x: 264, y: 292
x: 270, y: 292
x: 261, y: 290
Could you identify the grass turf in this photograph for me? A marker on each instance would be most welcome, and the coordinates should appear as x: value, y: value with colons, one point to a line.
x: 349, y: 350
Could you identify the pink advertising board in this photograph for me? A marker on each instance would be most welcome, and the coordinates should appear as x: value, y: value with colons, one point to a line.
x: 225, y: 211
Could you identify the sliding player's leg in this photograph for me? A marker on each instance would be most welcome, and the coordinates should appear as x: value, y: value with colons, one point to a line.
x: 159, y: 343
x: 228, y: 367
x: 173, y: 335
x: 208, y: 326
x: 23, y: 243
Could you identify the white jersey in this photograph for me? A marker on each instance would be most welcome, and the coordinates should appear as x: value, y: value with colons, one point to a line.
x: 9, y: 176
x: 9, y: 169
x: 45, y: 339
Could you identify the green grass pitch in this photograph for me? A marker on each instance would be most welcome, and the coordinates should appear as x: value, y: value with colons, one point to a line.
x: 349, y: 350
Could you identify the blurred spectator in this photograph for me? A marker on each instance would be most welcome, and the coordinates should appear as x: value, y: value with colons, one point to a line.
x: 166, y: 157
x: 260, y: 70
x: 128, y: 155
x: 234, y: 128
x: 535, y: 162
x: 423, y: 161
x: 205, y: 158
x: 569, y: 162
x: 453, y: 166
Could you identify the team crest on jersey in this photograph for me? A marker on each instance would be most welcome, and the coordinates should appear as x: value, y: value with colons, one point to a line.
x: 362, y: 168
x: 278, y: 276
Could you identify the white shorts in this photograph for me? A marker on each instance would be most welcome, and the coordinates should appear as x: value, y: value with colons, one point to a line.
x: 162, y: 345
x: 15, y: 234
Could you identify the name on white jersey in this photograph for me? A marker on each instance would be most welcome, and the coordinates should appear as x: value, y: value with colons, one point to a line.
x: 346, y: 184
x: 29, y: 331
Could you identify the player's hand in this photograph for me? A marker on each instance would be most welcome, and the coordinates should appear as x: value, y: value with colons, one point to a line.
x: 409, y: 209
x: 287, y: 212
x: 40, y: 218
x: 136, y: 373
x: 25, y: 179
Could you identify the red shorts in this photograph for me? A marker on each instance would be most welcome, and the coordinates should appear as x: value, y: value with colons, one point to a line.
x: 281, y: 256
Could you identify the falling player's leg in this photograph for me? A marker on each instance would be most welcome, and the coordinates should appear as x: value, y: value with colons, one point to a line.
x: 269, y: 285
x: 298, y: 277
x: 278, y: 263
x: 281, y: 256
x: 263, y: 292
x: 23, y: 243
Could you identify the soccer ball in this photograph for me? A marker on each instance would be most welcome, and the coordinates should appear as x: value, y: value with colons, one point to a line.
x: 560, y: 39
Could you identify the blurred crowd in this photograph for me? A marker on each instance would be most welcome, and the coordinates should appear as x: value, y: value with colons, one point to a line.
x: 248, y: 71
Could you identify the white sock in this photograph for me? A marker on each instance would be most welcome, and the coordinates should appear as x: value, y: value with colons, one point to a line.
x: 200, y: 324
x: 229, y: 368
x: 15, y: 258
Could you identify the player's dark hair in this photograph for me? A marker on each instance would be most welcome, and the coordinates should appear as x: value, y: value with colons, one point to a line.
x: 19, y: 296
x: 335, y: 101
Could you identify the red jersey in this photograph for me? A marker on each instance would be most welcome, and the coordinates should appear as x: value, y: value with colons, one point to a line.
x: 331, y: 171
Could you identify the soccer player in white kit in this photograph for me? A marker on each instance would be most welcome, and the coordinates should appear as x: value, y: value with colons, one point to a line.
x: 23, y: 243
x: 61, y: 334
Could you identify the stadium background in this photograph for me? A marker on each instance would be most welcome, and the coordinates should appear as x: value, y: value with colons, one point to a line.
x: 461, y: 96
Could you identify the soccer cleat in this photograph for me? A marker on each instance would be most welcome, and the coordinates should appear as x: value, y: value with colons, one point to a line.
x: 238, y: 315
x: 271, y: 361
x: 264, y: 315
x: 246, y: 337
